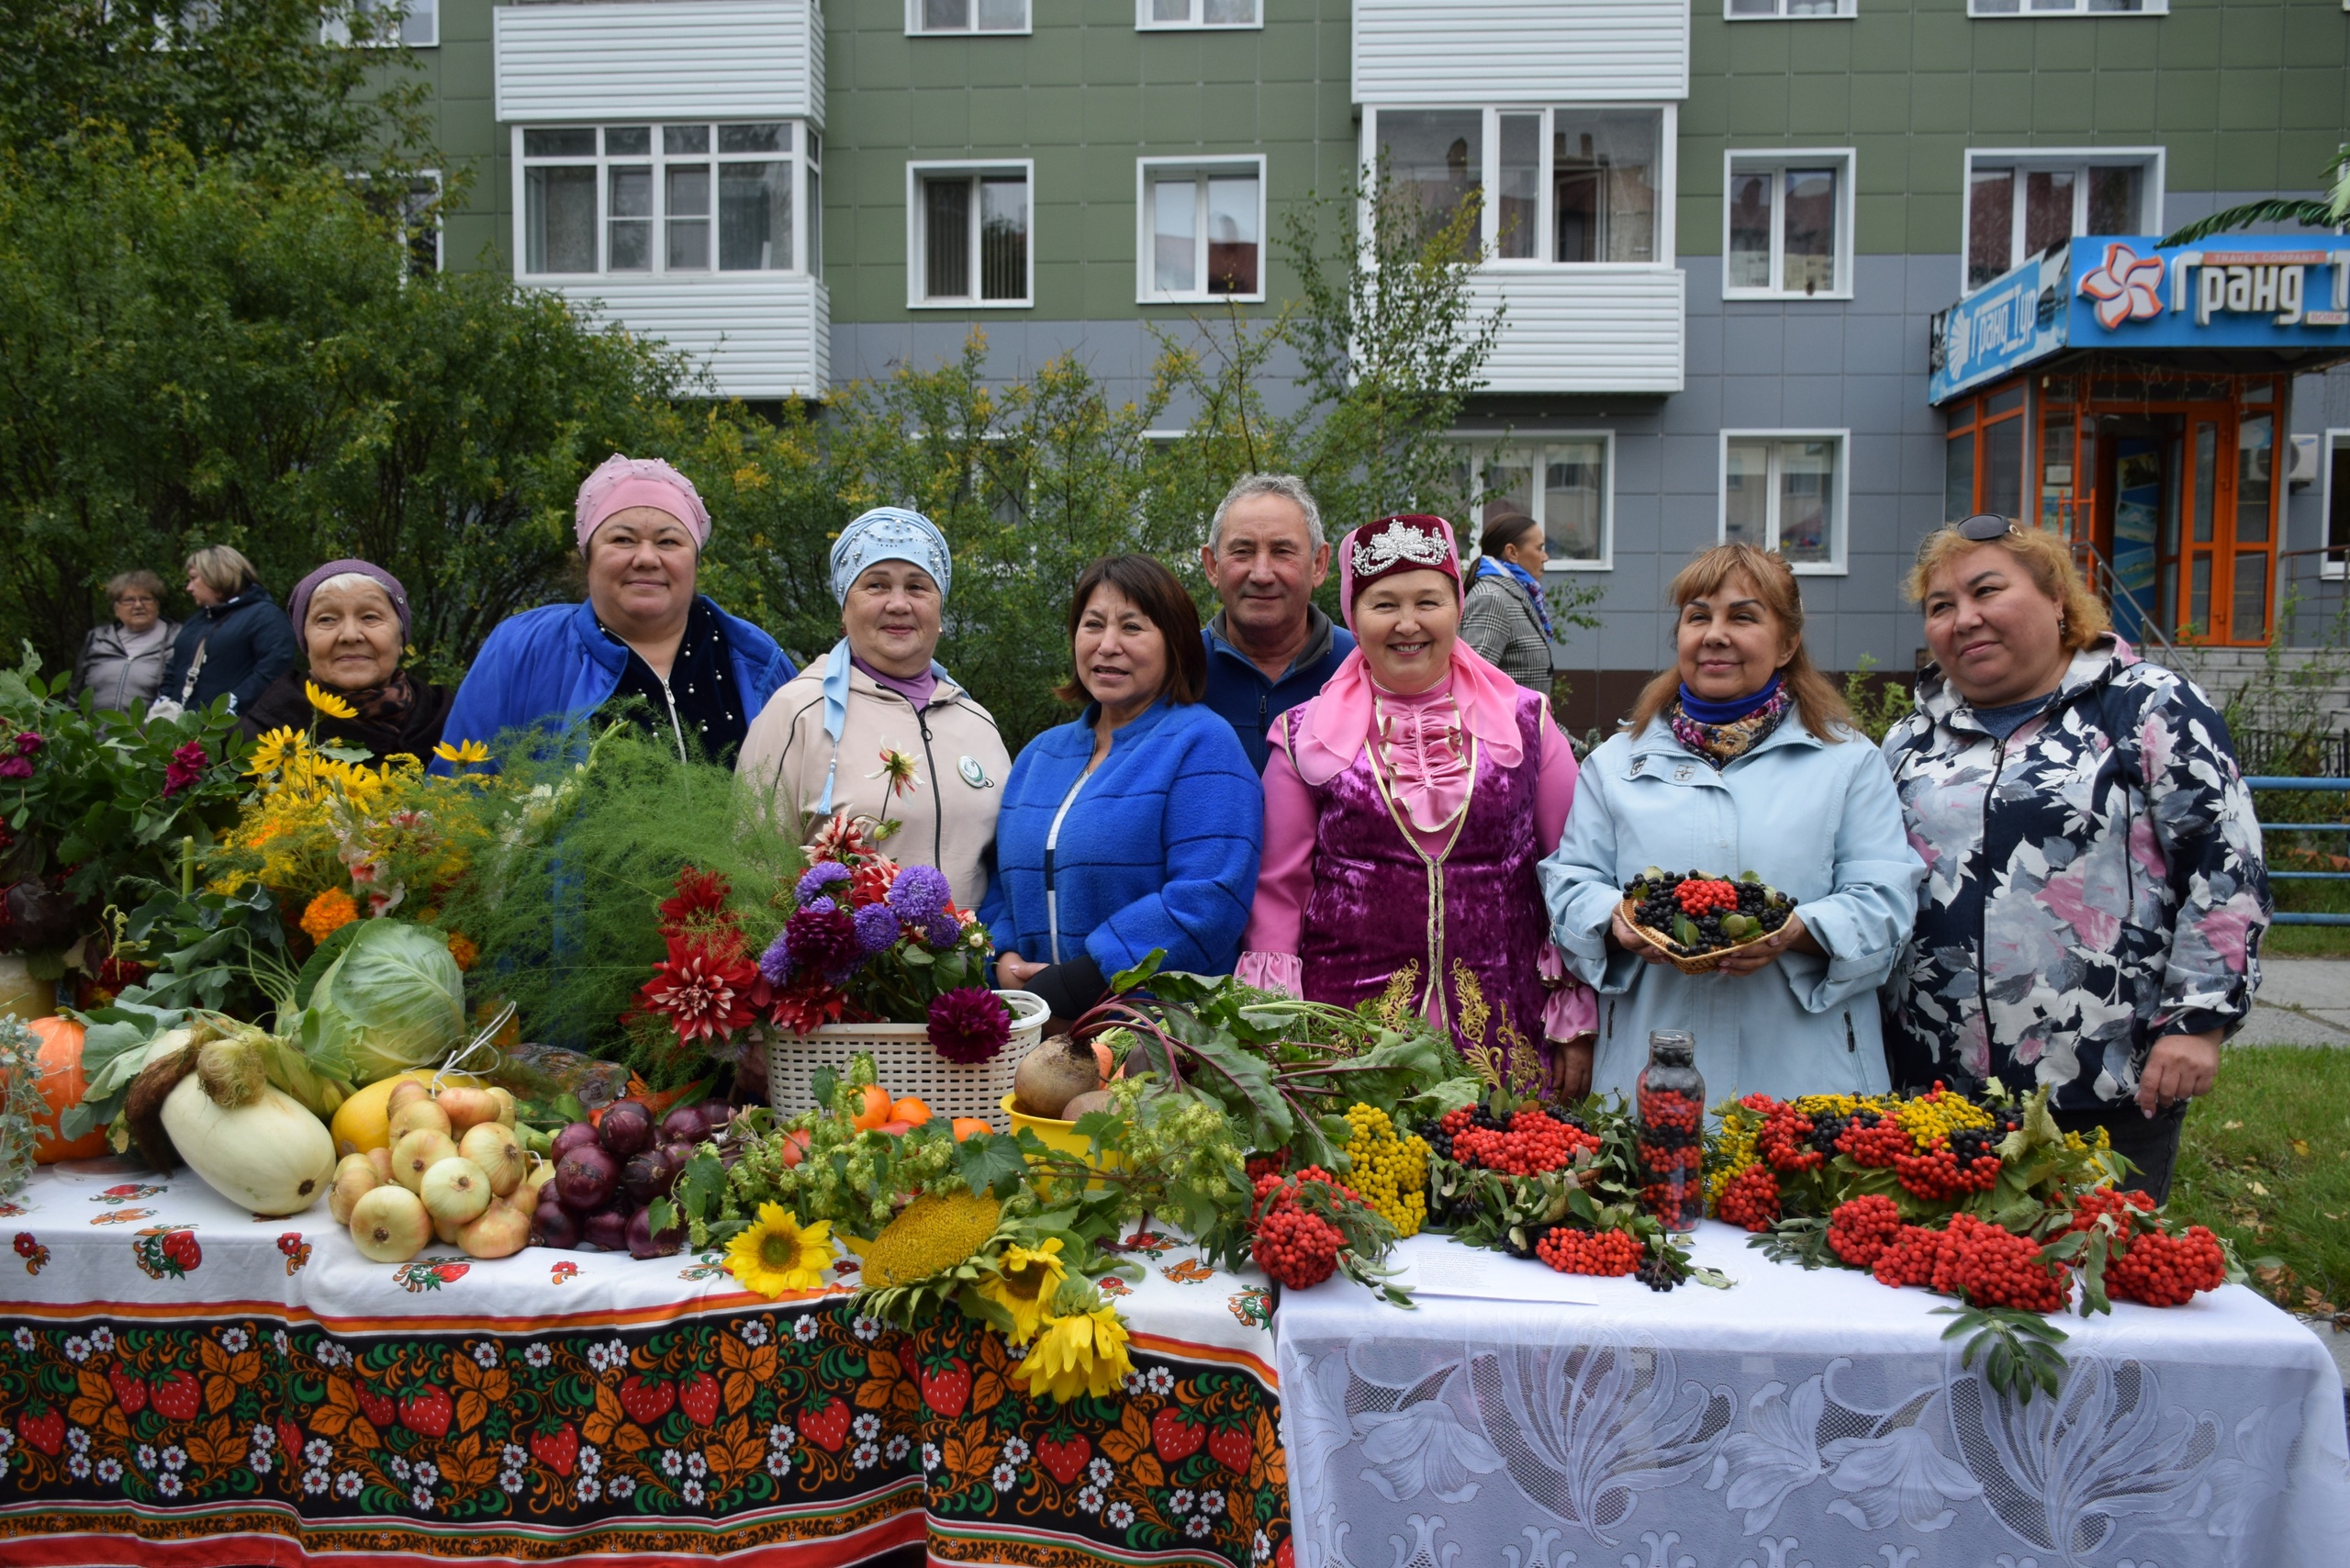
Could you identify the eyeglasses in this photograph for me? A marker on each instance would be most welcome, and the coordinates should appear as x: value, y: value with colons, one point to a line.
x: 1984, y: 526
x: 135, y: 599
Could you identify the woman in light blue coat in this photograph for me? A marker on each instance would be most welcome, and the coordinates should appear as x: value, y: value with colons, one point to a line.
x: 1739, y: 759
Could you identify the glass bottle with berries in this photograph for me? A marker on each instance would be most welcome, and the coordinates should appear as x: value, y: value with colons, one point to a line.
x: 1671, y: 1101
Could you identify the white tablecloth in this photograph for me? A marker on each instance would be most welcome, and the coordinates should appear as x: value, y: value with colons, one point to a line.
x: 1799, y: 1420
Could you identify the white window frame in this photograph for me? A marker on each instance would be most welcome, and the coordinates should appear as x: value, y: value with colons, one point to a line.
x: 1743, y: 160
x: 2152, y: 159
x: 914, y: 30
x: 2029, y: 10
x: 1144, y: 23
x: 916, y: 170
x: 803, y: 142
x: 1145, y: 239
x: 440, y: 192
x: 337, y: 30
x: 1842, y: 11
x: 1668, y: 182
x: 1841, y: 532
x: 2330, y: 567
x: 1484, y: 450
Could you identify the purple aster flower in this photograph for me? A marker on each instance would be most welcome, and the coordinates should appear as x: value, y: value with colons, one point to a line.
x: 819, y: 906
x: 877, y: 928
x: 918, y: 894
x: 776, y: 962
x: 941, y: 930
x: 819, y: 877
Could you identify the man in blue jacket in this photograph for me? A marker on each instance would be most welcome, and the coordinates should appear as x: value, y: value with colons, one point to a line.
x: 1268, y: 648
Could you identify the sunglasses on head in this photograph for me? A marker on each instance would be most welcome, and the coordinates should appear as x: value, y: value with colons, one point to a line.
x: 1984, y: 526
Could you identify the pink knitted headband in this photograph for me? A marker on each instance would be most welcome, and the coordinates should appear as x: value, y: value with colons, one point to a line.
x: 620, y: 483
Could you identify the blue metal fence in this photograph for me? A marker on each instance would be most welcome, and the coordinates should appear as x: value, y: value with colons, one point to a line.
x: 2298, y: 917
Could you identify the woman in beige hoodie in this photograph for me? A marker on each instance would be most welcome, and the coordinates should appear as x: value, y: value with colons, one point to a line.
x: 879, y: 730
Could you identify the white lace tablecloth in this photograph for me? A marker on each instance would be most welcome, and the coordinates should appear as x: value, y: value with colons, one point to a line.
x: 1799, y: 1420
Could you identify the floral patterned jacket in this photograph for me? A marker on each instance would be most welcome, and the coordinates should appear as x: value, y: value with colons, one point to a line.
x: 2093, y: 883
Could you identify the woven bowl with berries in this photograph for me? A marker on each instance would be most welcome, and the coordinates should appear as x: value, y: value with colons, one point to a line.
x: 1697, y: 918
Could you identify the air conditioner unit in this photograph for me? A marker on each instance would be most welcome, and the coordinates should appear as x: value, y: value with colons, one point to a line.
x: 2302, y: 467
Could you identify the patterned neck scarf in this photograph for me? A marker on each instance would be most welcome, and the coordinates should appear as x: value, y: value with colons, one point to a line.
x: 1717, y: 743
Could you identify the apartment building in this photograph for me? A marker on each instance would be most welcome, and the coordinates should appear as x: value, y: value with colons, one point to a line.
x: 1817, y: 273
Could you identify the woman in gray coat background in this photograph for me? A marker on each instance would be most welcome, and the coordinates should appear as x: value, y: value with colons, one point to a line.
x: 122, y: 660
x: 1503, y: 616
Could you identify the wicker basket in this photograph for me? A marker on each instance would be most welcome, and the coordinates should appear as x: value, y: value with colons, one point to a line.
x: 1704, y: 963
x: 906, y: 1065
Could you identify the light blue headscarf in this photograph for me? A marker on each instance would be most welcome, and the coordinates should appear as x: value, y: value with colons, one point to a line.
x: 885, y: 533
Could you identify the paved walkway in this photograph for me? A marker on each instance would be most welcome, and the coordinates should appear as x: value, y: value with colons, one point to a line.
x: 2302, y: 1001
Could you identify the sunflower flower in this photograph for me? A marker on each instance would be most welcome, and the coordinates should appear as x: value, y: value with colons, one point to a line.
x: 326, y: 702
x: 1079, y: 1352
x: 779, y: 1254
x: 275, y: 750
x: 1024, y: 1284
x: 933, y: 1234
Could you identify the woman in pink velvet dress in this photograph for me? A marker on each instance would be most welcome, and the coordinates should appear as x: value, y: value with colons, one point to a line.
x: 1405, y: 809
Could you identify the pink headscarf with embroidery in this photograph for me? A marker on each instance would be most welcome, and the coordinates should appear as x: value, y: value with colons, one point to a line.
x: 620, y: 483
x: 1330, y: 733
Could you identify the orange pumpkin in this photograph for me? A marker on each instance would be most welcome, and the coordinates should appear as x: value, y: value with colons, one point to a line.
x: 62, y: 1084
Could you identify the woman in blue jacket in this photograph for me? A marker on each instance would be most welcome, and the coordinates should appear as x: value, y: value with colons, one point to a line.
x: 1739, y: 759
x: 698, y: 674
x: 1136, y: 827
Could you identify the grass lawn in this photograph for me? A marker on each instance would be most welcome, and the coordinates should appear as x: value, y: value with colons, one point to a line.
x: 2307, y: 941
x: 2265, y: 1162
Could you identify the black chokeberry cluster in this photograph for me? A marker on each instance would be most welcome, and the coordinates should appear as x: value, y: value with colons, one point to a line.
x: 1657, y: 1273
x: 1827, y: 1127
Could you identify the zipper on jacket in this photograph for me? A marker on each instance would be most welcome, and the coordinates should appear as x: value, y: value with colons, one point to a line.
x: 676, y: 726
x: 1264, y: 700
x: 1052, y: 843
x: 937, y: 802
x: 1611, y: 1019
x: 1982, y: 905
x: 1851, y: 1041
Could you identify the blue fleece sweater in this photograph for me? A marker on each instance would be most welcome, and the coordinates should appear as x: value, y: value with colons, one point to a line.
x: 1160, y: 849
x: 553, y: 665
x: 1250, y: 703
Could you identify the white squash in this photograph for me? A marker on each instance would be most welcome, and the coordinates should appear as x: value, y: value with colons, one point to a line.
x: 269, y: 1153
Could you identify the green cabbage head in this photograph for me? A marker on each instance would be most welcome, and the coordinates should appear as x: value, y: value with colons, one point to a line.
x: 395, y: 1000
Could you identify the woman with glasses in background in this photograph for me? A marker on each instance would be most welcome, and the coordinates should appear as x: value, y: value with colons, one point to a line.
x: 122, y: 660
x: 2095, y: 893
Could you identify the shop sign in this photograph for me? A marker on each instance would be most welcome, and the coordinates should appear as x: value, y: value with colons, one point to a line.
x: 2276, y: 292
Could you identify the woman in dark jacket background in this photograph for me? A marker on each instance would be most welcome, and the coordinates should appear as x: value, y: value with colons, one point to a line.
x: 236, y: 643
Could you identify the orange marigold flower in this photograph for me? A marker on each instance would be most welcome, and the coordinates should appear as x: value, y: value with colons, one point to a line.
x: 328, y: 914
x: 462, y: 948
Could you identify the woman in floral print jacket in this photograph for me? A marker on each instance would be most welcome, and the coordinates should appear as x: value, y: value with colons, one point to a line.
x: 2095, y: 893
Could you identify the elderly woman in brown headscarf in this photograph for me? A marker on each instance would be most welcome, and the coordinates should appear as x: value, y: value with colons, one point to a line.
x: 351, y: 619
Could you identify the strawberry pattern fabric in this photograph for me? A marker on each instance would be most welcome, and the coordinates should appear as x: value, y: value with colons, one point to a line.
x: 2093, y: 882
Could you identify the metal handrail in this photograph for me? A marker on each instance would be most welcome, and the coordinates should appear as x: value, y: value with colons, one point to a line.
x: 2103, y: 579
x: 2270, y: 781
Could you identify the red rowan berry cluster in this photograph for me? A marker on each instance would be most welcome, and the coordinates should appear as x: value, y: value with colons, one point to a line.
x: 1782, y: 1140
x: 1908, y: 1258
x: 1938, y: 1173
x: 1750, y: 1199
x: 1862, y: 1229
x: 2131, y: 1211
x: 1988, y: 1266
x: 1877, y: 1146
x: 1602, y: 1252
x: 1296, y: 1248
x: 1534, y: 1142
x: 2166, y: 1270
x: 1663, y: 1109
x: 1262, y: 1165
x: 1699, y: 899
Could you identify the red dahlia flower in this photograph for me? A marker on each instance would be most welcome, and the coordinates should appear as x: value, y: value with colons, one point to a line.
x: 705, y: 995
x: 968, y: 1024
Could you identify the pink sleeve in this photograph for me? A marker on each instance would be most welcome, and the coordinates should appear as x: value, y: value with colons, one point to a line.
x: 1286, y: 879
x: 1554, y: 787
x: 1569, y: 1008
x: 1283, y: 973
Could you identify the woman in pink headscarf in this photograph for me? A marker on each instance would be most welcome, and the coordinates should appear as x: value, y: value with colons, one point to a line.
x: 644, y: 644
x: 1406, y: 810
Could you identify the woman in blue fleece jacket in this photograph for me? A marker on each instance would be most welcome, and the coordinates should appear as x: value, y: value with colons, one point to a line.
x: 1136, y: 826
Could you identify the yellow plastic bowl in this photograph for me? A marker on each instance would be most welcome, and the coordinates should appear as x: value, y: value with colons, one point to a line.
x: 1061, y: 1136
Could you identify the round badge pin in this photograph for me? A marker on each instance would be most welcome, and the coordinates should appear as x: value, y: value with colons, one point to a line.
x: 973, y: 774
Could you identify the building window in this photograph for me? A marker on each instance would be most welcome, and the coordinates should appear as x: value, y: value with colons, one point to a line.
x: 418, y: 23
x: 1155, y: 13
x: 2019, y: 205
x: 1783, y: 490
x: 968, y: 242
x: 695, y: 198
x: 1762, y: 10
x: 2336, y: 559
x: 1569, y: 186
x: 966, y: 16
x: 2066, y: 7
x: 1566, y: 484
x: 1204, y: 229
x: 1789, y: 230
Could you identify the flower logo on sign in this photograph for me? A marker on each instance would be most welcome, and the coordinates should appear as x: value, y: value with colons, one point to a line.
x: 2128, y: 287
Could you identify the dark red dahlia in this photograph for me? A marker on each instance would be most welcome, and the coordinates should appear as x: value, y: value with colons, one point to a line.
x: 822, y: 941
x: 186, y: 768
x: 700, y: 899
x: 968, y: 1024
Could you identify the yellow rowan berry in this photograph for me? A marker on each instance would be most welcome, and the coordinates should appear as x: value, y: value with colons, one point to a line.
x: 1391, y: 1173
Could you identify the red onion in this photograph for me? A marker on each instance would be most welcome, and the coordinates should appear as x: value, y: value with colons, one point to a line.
x: 608, y: 1230
x: 571, y: 1137
x: 553, y: 1225
x: 626, y: 1129
x: 644, y: 1241
x: 584, y: 1179
x: 684, y: 1124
